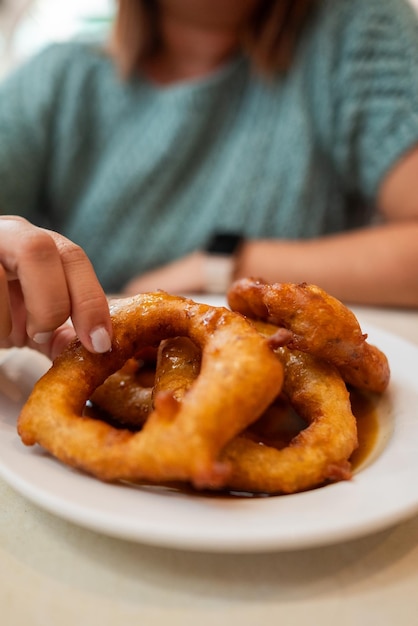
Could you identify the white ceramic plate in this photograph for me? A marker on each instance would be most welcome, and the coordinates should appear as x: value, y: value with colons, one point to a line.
x: 382, y: 493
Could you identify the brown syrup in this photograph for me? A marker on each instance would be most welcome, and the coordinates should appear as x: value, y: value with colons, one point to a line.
x: 280, y: 424
x: 365, y: 411
x: 276, y: 428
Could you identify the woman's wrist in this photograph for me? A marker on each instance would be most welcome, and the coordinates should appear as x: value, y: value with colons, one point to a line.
x: 254, y: 259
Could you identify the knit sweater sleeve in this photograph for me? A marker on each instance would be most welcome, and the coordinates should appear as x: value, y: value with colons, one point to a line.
x: 366, y: 88
x: 26, y: 102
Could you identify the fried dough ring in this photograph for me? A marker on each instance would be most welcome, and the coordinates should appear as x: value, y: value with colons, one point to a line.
x: 127, y: 396
x: 124, y: 396
x: 239, y: 378
x: 320, y: 324
x: 317, y: 454
x: 178, y: 365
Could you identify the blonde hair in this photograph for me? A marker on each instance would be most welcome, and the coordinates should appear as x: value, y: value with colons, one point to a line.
x: 270, y: 39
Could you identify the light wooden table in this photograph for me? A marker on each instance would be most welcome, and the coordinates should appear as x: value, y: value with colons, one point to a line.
x: 53, y: 573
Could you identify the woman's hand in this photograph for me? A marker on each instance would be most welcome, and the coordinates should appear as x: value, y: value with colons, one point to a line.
x: 48, y: 291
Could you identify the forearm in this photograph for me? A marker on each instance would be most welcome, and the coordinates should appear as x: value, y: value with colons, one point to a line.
x: 375, y: 266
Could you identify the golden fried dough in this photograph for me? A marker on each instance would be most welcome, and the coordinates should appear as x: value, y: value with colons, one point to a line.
x: 238, y: 379
x: 125, y: 396
x: 316, y: 391
x: 320, y: 324
x: 319, y: 452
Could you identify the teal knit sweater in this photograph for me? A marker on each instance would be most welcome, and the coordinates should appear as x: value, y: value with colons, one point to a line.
x: 139, y: 175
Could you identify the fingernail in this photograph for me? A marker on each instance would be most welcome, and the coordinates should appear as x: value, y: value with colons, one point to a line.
x: 100, y: 340
x: 42, y: 337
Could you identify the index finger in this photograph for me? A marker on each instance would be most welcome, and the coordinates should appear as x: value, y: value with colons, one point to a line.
x: 89, y: 305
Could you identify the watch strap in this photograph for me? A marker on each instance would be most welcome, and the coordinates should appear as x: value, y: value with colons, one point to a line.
x: 220, y: 261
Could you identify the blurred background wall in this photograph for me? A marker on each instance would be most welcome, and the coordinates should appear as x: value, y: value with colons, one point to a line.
x: 28, y: 25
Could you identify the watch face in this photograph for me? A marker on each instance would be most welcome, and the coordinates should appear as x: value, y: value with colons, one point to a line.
x: 224, y: 243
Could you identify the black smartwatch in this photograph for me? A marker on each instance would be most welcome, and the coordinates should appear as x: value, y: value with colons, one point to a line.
x: 219, y: 267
